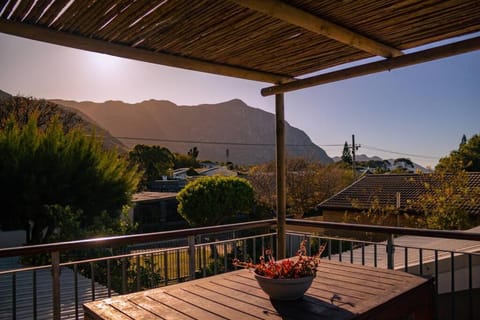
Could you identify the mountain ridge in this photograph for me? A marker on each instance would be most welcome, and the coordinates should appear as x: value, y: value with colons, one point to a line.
x: 391, y: 165
x: 247, y: 132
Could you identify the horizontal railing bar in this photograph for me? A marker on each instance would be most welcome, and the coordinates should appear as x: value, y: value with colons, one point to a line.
x: 450, y: 234
x: 4, y: 272
x: 217, y: 242
x: 130, y: 255
x: 135, y: 238
x: 462, y: 251
x: 320, y: 237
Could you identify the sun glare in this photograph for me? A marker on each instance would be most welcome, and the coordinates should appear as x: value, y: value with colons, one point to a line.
x: 103, y: 62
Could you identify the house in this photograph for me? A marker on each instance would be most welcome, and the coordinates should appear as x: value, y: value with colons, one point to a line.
x: 167, y: 185
x: 180, y: 173
x: 156, y: 211
x: 380, y: 194
x: 218, y: 171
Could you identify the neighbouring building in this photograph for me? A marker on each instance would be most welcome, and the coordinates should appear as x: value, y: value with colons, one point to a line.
x: 365, y: 199
x: 156, y: 211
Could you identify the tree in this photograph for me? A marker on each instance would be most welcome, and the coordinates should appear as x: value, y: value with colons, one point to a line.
x: 48, y: 176
x: 445, y: 201
x: 405, y: 162
x: 154, y: 161
x: 214, y: 200
x: 185, y: 161
x: 346, y: 154
x: 308, y: 184
x: 21, y: 109
x: 193, y: 153
x: 467, y: 157
x: 463, y: 141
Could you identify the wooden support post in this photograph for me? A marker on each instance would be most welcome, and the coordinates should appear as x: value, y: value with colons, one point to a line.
x: 56, y: 284
x: 67, y: 39
x: 281, y: 175
x: 406, y: 60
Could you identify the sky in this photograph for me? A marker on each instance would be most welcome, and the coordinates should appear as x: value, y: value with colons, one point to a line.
x: 418, y: 112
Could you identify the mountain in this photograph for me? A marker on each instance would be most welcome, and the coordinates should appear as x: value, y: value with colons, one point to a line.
x: 360, y: 157
x: 391, y: 164
x: 21, y: 106
x: 247, y: 133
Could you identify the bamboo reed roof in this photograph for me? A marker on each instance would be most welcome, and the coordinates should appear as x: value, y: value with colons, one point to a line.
x: 271, y: 41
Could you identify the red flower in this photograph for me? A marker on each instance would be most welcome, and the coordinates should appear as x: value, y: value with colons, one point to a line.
x: 300, y: 266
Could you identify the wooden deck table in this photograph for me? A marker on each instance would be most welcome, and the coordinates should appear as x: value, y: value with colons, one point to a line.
x: 340, y: 291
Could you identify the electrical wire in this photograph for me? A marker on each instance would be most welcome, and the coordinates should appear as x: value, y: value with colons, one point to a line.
x: 400, y: 153
x: 219, y: 142
x: 231, y: 143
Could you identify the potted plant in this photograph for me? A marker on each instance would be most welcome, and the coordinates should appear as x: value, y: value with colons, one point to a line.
x: 287, y: 279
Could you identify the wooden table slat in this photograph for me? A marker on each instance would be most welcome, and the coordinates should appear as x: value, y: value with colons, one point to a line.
x: 243, y: 309
x: 196, y: 311
x: 340, y: 291
x: 132, y: 310
x: 99, y: 310
x: 157, y: 308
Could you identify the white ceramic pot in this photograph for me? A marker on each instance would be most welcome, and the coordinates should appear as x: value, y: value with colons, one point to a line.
x: 284, y: 289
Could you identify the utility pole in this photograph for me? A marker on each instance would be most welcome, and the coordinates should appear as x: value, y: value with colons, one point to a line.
x: 354, y: 148
x: 353, y: 158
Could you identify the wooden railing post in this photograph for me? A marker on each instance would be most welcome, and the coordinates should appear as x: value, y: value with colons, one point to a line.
x: 191, y: 256
x: 56, y: 284
x: 390, y: 252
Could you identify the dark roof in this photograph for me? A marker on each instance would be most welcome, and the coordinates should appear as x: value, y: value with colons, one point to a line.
x: 384, y: 188
x: 151, y: 196
x: 268, y: 40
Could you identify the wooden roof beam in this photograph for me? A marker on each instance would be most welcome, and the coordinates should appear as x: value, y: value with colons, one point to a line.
x: 85, y: 43
x: 308, y: 21
x: 378, y: 66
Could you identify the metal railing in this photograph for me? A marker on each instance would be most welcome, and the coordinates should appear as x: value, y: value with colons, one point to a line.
x: 140, y: 267
x: 125, y: 264
x: 456, y: 270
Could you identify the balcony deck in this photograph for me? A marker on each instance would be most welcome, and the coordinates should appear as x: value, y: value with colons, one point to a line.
x: 340, y: 291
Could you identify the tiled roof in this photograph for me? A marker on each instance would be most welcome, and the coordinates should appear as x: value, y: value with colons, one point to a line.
x: 383, y: 188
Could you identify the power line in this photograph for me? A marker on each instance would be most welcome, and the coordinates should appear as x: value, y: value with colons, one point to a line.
x: 400, y: 153
x: 215, y: 142
x: 231, y: 143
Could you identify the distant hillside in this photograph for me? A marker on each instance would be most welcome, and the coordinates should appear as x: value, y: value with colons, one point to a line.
x: 247, y: 133
x: 390, y: 163
x: 360, y: 157
x: 21, y: 106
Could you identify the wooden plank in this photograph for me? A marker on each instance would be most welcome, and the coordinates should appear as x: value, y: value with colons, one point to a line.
x: 306, y: 20
x: 102, y: 310
x: 239, y: 293
x: 383, y: 65
x: 132, y: 310
x: 196, y: 296
x: 244, y: 308
x: 245, y: 287
x: 365, y: 273
x: 185, y: 307
x: 327, y: 287
x: 124, y: 51
x: 158, y: 308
